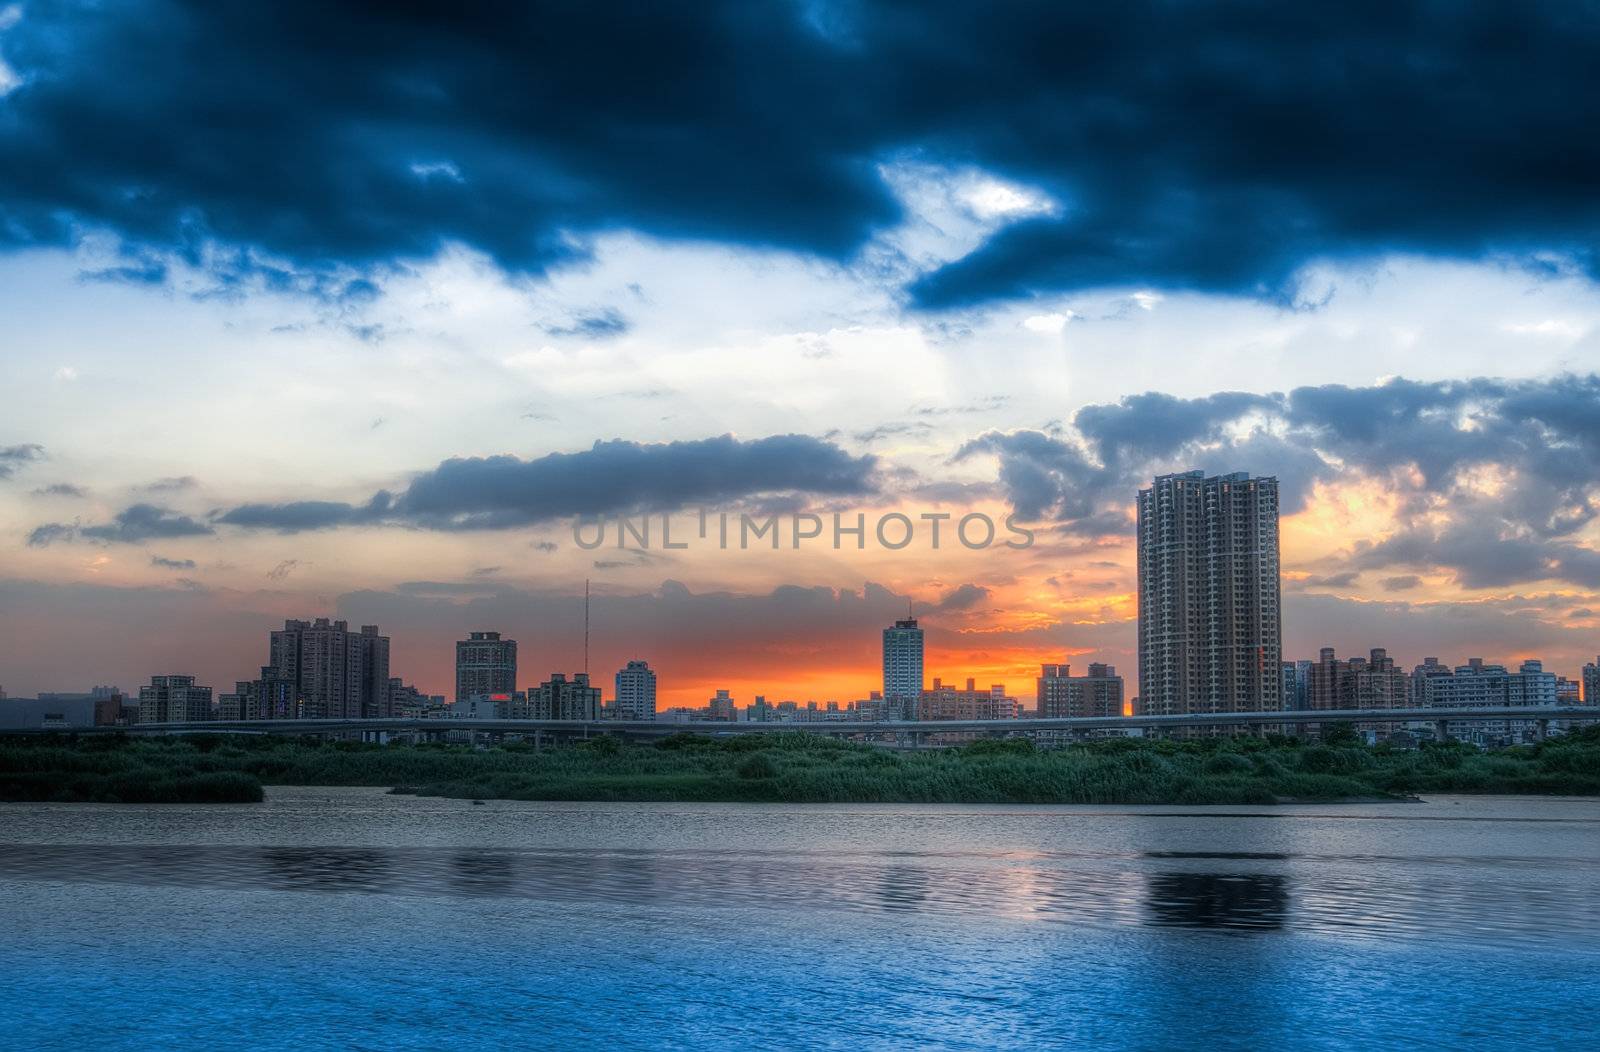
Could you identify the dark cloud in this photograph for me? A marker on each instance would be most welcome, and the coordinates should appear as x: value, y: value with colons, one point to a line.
x: 61, y: 489
x: 296, y: 516
x: 172, y: 484
x: 1401, y: 583
x: 171, y: 564
x: 597, y: 326
x: 1344, y: 579
x: 891, y: 430
x: 1430, y: 444
x: 47, y: 534
x: 1206, y: 146
x: 964, y: 597
x: 609, y: 478
x: 13, y: 457
x: 143, y: 522
x: 282, y: 571
x: 133, y: 525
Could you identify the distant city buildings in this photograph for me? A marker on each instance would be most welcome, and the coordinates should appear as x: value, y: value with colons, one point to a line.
x: 902, y: 666
x: 1210, y: 630
x: 636, y: 692
x: 944, y: 701
x: 335, y: 673
x: 1591, y: 682
x: 174, y: 699
x: 1479, y: 685
x: 1372, y: 682
x: 1062, y: 695
x: 560, y: 698
x: 720, y: 707
x: 485, y: 664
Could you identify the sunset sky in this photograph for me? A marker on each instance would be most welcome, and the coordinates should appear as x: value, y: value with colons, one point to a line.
x: 308, y: 315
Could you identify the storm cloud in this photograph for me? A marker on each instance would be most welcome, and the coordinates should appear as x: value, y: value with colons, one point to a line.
x: 13, y: 457
x: 1495, y: 479
x: 132, y: 525
x: 609, y: 478
x: 1217, y: 147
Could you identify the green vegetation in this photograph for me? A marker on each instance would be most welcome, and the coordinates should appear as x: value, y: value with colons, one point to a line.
x: 793, y: 767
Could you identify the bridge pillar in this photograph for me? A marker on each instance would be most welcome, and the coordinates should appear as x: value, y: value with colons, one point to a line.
x: 1441, y: 730
x: 1544, y: 728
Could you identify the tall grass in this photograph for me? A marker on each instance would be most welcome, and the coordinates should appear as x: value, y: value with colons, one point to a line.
x: 793, y: 767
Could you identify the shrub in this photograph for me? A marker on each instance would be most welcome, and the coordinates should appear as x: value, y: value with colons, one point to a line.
x: 757, y: 765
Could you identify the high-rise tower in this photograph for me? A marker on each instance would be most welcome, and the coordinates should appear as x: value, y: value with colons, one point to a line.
x: 1210, y: 628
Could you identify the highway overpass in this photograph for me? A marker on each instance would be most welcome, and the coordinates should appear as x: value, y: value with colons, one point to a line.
x: 1540, y: 715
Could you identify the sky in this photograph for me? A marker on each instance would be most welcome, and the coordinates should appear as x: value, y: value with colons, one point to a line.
x: 355, y: 313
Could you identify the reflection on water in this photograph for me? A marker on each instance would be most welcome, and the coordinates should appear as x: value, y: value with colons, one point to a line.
x: 1226, y: 901
x: 1221, y: 891
x: 288, y: 869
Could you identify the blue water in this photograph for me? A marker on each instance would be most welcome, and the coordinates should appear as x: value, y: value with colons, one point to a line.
x: 351, y: 919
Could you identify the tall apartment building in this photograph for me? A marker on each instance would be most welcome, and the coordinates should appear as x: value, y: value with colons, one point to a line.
x: 336, y: 673
x: 1210, y: 627
x: 485, y: 664
x: 560, y: 698
x: 1591, y: 682
x: 902, y: 667
x: 636, y: 692
x: 173, y: 699
x: 1062, y: 695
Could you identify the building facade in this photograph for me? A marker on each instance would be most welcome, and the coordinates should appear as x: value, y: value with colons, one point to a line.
x: 560, y: 698
x: 336, y: 673
x: 902, y: 665
x: 1478, y: 685
x: 173, y: 699
x: 485, y: 664
x: 944, y: 701
x: 1591, y: 682
x: 1061, y: 695
x: 1210, y: 630
x: 636, y: 692
x: 721, y: 707
x: 1372, y: 682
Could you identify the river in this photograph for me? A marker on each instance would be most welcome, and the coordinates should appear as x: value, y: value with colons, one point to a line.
x: 349, y: 918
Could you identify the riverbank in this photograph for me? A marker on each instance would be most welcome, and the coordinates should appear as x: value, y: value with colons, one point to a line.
x: 793, y: 768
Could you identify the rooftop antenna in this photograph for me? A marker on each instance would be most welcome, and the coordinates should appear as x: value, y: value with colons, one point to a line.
x: 585, y: 626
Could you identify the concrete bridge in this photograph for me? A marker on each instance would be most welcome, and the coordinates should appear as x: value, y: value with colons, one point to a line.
x: 904, y: 731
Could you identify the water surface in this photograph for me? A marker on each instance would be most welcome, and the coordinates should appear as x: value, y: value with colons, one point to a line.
x: 348, y: 918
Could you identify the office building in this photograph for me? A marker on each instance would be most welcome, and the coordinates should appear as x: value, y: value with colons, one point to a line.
x: 636, y: 692
x: 173, y: 699
x: 1210, y: 631
x: 1591, y: 682
x: 1062, y: 695
x: 560, y: 698
x: 335, y: 673
x: 902, y: 667
x: 485, y: 664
